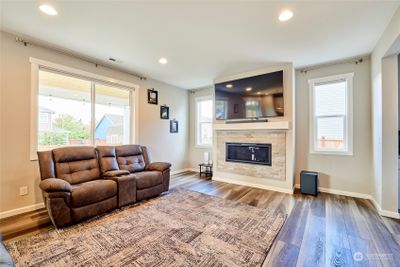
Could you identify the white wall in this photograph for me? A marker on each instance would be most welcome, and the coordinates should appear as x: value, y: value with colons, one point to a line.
x: 385, y: 44
x: 196, y: 154
x: 15, y: 167
x: 390, y: 133
x: 337, y: 172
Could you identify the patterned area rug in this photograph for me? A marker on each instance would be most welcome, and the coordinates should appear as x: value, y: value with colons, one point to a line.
x: 183, y: 228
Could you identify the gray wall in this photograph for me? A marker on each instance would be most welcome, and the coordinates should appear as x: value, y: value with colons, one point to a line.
x: 17, y: 170
x: 344, y: 173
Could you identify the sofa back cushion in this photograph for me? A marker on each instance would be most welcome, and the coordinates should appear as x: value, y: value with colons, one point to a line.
x: 130, y: 157
x: 76, y: 164
x: 107, y: 158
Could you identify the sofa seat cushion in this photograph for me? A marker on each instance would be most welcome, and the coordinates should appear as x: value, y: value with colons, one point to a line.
x: 92, y: 192
x: 148, y: 179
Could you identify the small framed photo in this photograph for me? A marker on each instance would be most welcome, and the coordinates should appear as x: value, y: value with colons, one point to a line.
x: 164, y: 112
x: 236, y: 108
x: 173, y: 126
x: 152, y: 96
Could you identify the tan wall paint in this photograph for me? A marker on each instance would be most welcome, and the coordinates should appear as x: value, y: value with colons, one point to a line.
x: 385, y: 43
x: 345, y: 173
x: 390, y: 134
x: 15, y: 167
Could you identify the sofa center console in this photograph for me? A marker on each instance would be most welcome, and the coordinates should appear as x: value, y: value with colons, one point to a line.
x: 81, y: 182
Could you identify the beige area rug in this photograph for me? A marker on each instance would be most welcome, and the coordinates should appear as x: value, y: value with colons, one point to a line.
x: 183, y: 228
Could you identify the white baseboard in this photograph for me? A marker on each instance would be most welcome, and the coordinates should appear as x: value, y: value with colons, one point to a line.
x: 341, y: 192
x: 385, y: 213
x: 9, y: 213
x: 381, y: 212
x: 184, y: 170
x: 267, y: 187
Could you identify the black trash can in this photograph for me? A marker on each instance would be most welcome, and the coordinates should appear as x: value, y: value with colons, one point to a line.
x: 309, y: 183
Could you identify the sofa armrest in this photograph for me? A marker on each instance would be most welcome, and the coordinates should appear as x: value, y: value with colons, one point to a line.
x: 158, y: 166
x: 115, y: 173
x: 55, y: 185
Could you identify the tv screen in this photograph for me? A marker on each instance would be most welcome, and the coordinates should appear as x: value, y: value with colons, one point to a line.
x: 248, y: 98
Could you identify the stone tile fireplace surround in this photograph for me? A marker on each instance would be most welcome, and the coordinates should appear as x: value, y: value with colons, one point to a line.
x: 278, y: 177
x: 279, y: 132
x: 276, y: 138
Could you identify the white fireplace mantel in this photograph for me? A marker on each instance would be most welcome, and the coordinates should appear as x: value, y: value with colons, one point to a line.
x: 272, y: 125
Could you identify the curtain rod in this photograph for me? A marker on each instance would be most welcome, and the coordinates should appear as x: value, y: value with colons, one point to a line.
x: 355, y: 60
x: 75, y: 55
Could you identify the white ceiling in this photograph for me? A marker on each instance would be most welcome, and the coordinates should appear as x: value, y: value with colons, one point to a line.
x: 204, y: 40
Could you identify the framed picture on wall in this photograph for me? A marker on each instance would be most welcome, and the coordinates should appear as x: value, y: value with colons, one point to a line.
x: 173, y: 126
x: 164, y: 112
x: 152, y: 96
x: 236, y: 108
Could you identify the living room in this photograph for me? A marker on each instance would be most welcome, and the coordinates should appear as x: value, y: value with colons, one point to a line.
x: 196, y: 133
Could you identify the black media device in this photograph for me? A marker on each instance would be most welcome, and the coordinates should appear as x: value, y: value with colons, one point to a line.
x: 309, y: 183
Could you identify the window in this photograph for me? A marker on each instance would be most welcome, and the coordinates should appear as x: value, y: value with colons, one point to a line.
x: 74, y: 109
x: 253, y: 109
x: 331, y: 115
x: 69, y: 101
x: 204, y: 111
x: 43, y: 117
x: 112, y: 113
x: 221, y: 109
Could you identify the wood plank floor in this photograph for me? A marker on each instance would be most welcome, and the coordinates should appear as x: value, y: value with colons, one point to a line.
x: 327, y: 230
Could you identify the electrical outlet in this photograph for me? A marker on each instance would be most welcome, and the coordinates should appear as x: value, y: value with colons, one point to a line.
x: 23, y: 190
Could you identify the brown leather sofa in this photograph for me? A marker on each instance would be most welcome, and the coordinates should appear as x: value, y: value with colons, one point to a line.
x: 151, y: 178
x: 82, y: 182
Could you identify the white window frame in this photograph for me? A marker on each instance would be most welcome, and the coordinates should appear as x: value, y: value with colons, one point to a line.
x: 197, y: 122
x: 37, y: 64
x: 348, y: 118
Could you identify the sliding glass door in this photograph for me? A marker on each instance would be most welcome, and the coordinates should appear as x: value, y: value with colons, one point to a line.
x: 78, y: 111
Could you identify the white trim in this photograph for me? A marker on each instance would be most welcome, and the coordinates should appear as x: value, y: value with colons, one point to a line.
x: 271, y: 125
x: 348, y: 128
x: 196, y: 123
x: 381, y: 212
x: 183, y: 170
x: 59, y: 67
x: 135, y: 115
x: 9, y: 213
x: 267, y: 187
x: 34, y: 111
x: 341, y: 192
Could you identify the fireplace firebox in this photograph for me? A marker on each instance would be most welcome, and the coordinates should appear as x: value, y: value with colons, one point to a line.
x: 249, y: 153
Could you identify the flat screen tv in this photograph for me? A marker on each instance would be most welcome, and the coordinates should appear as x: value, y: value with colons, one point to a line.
x: 249, y: 98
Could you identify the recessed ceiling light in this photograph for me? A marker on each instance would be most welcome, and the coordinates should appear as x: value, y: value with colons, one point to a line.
x: 47, y: 9
x: 248, y: 89
x: 163, y: 60
x: 285, y: 15
x: 229, y: 85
